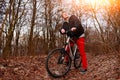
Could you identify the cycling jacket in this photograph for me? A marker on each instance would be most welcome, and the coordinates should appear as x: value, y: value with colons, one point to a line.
x: 74, y: 22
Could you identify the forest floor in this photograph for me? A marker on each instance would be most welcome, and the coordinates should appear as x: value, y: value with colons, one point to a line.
x: 100, y: 67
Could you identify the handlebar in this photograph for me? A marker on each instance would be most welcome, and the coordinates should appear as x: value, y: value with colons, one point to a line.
x: 69, y: 33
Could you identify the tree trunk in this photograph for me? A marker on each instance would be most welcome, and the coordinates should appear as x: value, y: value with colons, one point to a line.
x: 30, y: 41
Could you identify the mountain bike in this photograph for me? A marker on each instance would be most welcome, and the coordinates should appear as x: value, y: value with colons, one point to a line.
x: 56, y: 63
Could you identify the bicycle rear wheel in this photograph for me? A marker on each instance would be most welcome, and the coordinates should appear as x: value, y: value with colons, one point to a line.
x: 55, y: 63
x: 77, y: 60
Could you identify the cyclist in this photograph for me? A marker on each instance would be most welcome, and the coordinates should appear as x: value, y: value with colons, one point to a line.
x: 73, y: 23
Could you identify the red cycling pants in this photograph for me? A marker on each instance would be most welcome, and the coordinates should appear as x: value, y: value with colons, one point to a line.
x: 81, y: 46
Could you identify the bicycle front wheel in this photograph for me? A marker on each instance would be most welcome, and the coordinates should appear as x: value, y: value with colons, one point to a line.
x: 55, y: 63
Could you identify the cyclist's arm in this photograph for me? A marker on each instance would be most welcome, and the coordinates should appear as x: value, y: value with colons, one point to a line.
x: 64, y: 28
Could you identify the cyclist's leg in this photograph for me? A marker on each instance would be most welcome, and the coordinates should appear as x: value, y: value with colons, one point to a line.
x: 81, y: 47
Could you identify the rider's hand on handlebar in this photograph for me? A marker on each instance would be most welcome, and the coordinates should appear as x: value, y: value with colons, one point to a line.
x: 62, y: 31
x: 73, y: 28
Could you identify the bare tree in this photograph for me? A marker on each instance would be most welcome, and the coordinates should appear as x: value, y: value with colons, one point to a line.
x: 30, y: 41
x: 13, y: 19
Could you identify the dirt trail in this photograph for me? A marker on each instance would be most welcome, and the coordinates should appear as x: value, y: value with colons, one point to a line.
x: 101, y: 67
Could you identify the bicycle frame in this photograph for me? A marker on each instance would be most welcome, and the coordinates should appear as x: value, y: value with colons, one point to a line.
x: 72, y: 51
